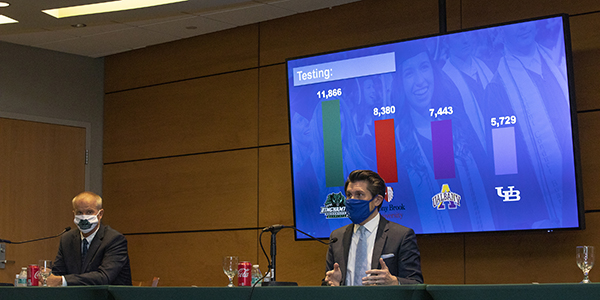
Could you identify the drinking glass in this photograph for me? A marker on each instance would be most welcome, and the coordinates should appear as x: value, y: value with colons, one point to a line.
x: 45, y: 270
x: 230, y: 267
x: 585, y: 261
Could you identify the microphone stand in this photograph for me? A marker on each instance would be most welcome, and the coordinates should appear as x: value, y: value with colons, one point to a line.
x: 274, y: 230
x: 273, y: 281
x: 273, y: 255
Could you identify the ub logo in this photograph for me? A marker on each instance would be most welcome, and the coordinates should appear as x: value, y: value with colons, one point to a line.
x: 446, y: 195
x: 510, y: 195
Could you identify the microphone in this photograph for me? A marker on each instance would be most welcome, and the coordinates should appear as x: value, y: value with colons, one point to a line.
x: 275, y: 228
x: 28, y: 241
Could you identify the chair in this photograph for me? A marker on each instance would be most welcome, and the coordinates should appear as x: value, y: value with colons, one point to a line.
x: 152, y: 283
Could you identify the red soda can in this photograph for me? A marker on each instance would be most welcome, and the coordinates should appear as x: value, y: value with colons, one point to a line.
x: 33, y: 271
x: 244, y: 273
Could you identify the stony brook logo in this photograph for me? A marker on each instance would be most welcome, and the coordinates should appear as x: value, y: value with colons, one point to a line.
x: 389, y: 194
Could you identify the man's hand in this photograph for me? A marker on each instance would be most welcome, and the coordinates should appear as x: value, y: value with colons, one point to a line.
x: 54, y: 280
x: 334, y: 277
x: 380, y: 277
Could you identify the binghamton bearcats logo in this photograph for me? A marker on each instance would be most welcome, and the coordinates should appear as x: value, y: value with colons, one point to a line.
x: 334, y: 206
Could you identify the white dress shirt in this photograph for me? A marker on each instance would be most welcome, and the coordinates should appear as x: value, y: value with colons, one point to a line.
x: 371, y: 233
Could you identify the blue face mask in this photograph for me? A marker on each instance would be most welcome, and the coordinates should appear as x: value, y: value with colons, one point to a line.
x: 358, y: 210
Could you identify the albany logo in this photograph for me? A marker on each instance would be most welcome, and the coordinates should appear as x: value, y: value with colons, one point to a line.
x: 444, y: 196
x: 334, y: 206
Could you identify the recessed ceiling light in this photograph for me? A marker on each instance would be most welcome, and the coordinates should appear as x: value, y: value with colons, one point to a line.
x: 4, y: 4
x: 7, y: 20
x: 78, y: 25
x: 103, y: 7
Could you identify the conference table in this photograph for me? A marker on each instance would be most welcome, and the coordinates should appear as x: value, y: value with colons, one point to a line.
x: 412, y: 292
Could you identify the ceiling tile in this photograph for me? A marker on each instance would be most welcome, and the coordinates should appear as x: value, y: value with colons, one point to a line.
x: 306, y: 5
x: 111, y: 42
x: 92, y: 30
x: 111, y: 33
x: 184, y: 27
x: 36, y: 38
x: 249, y: 14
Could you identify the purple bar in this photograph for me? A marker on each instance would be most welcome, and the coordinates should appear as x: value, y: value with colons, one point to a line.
x: 443, y: 151
x: 505, y: 150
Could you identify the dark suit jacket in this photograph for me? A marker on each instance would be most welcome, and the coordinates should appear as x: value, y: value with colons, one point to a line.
x: 392, y: 238
x: 106, y: 263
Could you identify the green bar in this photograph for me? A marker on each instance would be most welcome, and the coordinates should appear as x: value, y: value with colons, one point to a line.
x: 332, y: 143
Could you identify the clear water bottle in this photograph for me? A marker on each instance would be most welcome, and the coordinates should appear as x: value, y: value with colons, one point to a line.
x: 256, y: 276
x: 22, y: 278
x: 267, y: 279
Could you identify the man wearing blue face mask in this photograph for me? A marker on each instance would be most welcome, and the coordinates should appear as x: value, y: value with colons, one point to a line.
x: 95, y: 254
x: 372, y: 250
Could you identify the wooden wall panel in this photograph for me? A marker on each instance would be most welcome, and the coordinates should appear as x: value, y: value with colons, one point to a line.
x: 298, y: 261
x: 220, y: 52
x: 520, y: 257
x: 442, y: 258
x: 352, y: 25
x: 273, y: 120
x: 275, y: 186
x: 586, y: 58
x: 41, y: 170
x: 199, y: 192
x: 481, y: 13
x: 589, y: 129
x: 186, y: 259
x: 207, y: 114
x: 453, y: 15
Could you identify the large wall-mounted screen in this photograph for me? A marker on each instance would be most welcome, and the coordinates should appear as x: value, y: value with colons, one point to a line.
x: 472, y: 131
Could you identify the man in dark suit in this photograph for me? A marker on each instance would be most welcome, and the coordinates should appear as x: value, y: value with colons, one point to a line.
x: 372, y: 250
x: 93, y: 254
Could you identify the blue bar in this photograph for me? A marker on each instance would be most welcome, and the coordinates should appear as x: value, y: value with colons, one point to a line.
x: 344, y: 69
x: 505, y: 150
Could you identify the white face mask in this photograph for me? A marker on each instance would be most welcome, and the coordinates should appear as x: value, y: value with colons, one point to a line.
x: 86, y: 223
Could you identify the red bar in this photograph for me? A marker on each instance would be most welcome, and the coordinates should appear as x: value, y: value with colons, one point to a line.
x: 385, y: 145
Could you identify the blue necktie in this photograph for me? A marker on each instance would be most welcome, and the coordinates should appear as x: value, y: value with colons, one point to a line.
x: 84, y: 251
x: 361, y: 257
